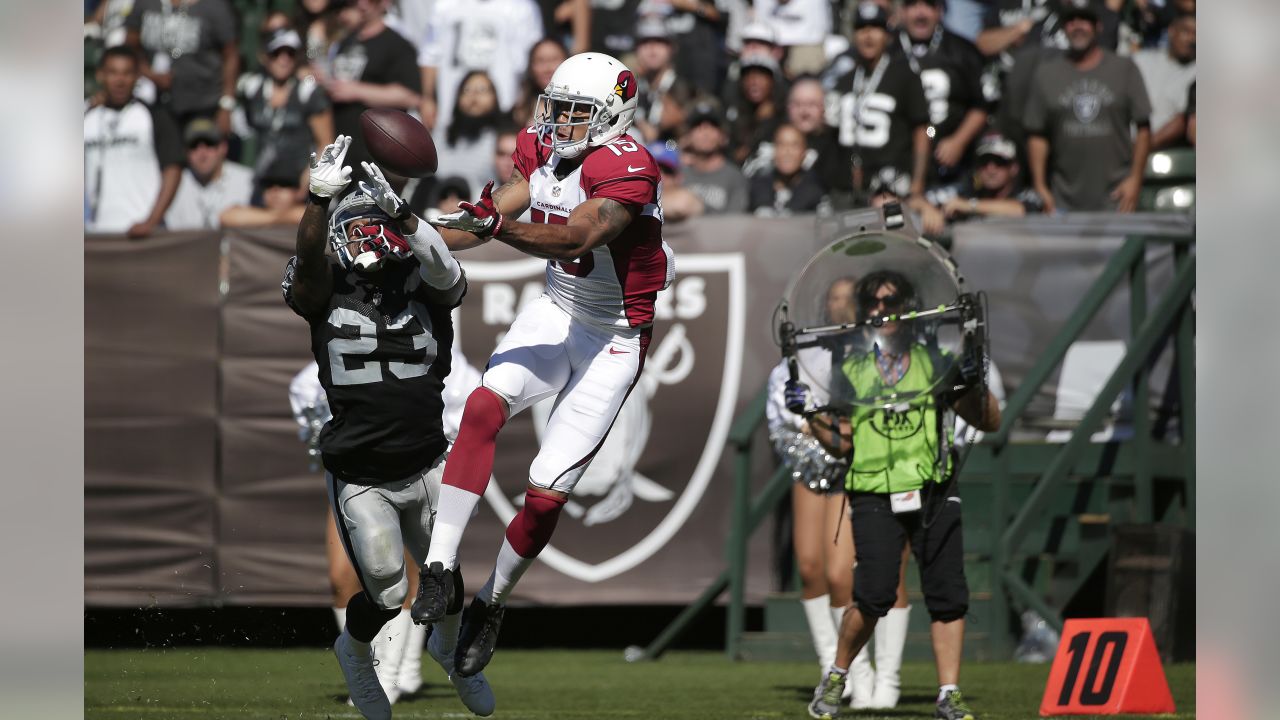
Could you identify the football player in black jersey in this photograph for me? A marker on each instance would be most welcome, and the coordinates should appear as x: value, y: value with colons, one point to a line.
x: 950, y: 70
x: 877, y: 104
x: 379, y: 310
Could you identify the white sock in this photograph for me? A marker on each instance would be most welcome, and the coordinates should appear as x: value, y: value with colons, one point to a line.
x: 942, y: 691
x: 409, y: 674
x: 413, y: 642
x: 340, y: 617
x: 388, y: 647
x: 817, y: 612
x: 891, y: 638
x: 455, y: 508
x: 506, y: 573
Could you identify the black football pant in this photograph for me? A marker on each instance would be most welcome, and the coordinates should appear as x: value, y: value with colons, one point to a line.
x: 878, y: 535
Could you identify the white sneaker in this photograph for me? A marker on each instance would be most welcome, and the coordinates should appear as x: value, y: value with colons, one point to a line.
x: 474, y: 691
x: 362, y: 680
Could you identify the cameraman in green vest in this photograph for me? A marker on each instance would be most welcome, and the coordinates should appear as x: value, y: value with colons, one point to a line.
x: 899, y: 482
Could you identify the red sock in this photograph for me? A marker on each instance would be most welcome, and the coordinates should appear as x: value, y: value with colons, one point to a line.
x: 530, y: 530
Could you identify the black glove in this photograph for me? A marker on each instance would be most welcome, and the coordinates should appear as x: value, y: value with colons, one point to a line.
x: 972, y: 370
x: 795, y: 395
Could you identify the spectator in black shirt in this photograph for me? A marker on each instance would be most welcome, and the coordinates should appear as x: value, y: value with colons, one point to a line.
x: 805, y: 111
x: 993, y: 189
x: 288, y: 116
x: 662, y: 95
x: 950, y: 70
x: 758, y: 111
x: 697, y: 28
x: 787, y: 187
x: 613, y: 23
x: 568, y: 22
x: 374, y: 66
x: 878, y: 106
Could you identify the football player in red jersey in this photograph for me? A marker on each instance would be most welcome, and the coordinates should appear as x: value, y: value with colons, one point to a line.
x: 594, y: 196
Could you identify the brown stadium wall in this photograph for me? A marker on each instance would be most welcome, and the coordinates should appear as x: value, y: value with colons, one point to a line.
x: 197, y: 489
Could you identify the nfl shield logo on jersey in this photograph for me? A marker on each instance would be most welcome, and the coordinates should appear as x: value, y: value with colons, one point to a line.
x: 632, y: 500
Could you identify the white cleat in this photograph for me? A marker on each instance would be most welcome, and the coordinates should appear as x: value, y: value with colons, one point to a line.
x: 474, y: 691
x: 367, y: 694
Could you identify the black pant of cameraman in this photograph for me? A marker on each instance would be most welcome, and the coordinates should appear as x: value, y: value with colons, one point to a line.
x: 878, y: 535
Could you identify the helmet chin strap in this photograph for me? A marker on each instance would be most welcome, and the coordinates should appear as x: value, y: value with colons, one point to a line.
x: 368, y: 261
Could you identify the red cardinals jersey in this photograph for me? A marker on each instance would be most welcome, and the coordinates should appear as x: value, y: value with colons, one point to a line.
x: 615, y: 284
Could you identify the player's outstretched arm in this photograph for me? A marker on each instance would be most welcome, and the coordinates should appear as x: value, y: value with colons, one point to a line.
x: 311, y: 283
x: 437, y: 266
x: 476, y: 222
x: 592, y: 224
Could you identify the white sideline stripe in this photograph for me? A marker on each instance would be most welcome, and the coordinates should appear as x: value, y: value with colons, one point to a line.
x: 400, y: 711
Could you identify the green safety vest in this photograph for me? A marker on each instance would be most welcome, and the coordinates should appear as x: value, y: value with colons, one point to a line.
x: 894, y: 450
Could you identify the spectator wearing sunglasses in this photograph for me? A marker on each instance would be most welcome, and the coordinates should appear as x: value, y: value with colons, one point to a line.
x: 288, y: 116
x: 210, y: 184
x: 993, y: 189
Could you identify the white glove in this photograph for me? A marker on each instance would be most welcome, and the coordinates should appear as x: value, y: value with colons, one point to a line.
x: 328, y: 175
x: 380, y: 190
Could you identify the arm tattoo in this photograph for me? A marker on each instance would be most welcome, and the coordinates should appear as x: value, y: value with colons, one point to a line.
x: 515, y: 179
x: 612, y: 218
x: 311, y: 284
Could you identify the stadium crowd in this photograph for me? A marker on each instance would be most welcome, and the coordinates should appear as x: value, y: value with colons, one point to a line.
x: 201, y: 113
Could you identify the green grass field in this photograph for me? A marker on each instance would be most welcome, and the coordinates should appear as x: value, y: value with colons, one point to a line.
x: 203, y: 683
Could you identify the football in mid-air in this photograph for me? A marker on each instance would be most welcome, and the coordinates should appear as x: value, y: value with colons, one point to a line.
x: 398, y: 142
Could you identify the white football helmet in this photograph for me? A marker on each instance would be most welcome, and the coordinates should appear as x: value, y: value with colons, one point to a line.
x: 592, y: 82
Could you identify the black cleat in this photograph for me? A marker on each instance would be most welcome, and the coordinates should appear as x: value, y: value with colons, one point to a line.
x: 435, y: 594
x: 478, y: 637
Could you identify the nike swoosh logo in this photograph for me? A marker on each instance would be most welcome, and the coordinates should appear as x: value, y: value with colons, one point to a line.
x: 615, y: 351
x: 631, y: 169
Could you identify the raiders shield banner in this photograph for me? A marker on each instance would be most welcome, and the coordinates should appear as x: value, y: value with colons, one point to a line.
x: 659, y: 458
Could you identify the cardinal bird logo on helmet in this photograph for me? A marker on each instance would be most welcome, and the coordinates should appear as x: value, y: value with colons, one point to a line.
x: 625, y: 88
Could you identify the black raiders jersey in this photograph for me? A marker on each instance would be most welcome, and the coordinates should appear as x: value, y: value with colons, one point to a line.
x: 875, y: 125
x: 383, y: 347
x: 950, y: 70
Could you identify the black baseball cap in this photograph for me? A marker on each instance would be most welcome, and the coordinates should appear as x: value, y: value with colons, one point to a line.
x: 705, y: 111
x: 870, y: 14
x: 202, y: 129
x: 1074, y: 9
